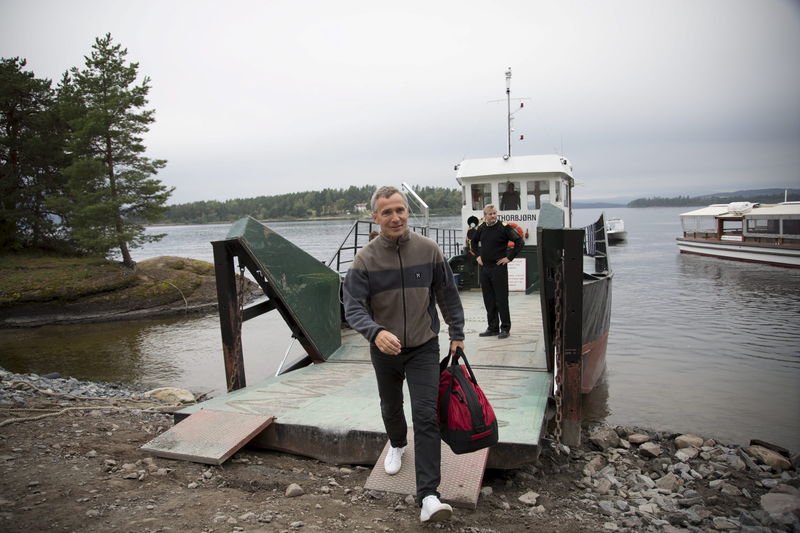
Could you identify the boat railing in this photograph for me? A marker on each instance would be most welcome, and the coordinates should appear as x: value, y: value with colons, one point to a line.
x: 595, y: 244
x: 448, y: 239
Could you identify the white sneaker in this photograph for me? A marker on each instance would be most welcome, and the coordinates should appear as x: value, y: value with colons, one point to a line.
x: 433, y: 510
x: 394, y: 460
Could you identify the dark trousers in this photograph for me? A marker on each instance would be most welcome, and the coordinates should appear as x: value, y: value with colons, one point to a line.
x: 420, y: 366
x: 494, y: 286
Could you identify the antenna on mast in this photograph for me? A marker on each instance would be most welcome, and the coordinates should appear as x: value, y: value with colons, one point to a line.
x: 510, y: 114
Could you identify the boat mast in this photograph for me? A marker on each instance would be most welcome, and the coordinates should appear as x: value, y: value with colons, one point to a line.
x: 508, y: 105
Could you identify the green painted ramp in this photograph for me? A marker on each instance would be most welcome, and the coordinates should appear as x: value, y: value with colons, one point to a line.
x: 308, y: 289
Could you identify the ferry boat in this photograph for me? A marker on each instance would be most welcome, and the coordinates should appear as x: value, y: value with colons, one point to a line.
x: 615, y: 230
x: 532, y: 192
x: 743, y: 231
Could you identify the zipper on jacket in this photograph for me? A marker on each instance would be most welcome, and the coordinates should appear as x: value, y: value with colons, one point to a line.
x: 402, y: 290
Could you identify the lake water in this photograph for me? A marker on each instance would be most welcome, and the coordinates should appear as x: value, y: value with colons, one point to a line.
x: 696, y: 344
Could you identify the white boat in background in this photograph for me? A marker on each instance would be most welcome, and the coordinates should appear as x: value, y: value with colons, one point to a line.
x: 615, y: 230
x: 741, y: 231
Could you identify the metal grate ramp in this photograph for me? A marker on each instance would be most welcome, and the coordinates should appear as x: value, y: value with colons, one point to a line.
x: 208, y: 436
x: 461, y: 475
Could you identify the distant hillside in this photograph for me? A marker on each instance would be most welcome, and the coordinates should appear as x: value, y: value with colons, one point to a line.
x: 763, y: 196
x: 595, y: 205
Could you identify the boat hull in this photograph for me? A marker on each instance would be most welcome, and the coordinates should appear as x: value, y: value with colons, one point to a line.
x: 596, y: 324
x: 768, y: 254
x: 617, y: 236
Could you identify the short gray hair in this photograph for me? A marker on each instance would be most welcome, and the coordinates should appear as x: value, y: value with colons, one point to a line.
x: 385, y: 192
x: 487, y: 207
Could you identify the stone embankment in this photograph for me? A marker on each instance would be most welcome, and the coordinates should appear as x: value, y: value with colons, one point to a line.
x: 81, y: 469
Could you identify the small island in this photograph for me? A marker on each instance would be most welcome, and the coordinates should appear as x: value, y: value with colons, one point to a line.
x: 53, y: 289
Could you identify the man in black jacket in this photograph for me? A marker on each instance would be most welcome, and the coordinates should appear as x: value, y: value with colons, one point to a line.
x: 490, y: 244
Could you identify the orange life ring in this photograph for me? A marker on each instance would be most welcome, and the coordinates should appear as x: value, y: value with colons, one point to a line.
x: 518, y: 229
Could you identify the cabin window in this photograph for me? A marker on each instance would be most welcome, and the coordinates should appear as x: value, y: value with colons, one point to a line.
x: 481, y: 195
x: 538, y: 192
x: 509, y: 196
x: 791, y: 227
x: 558, y: 191
x: 732, y: 227
x: 699, y: 224
x: 763, y: 225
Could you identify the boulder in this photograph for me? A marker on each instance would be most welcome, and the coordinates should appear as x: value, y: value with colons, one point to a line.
x: 779, y: 503
x: 171, y: 395
x: 684, y: 441
x: 604, y: 437
x: 769, y: 457
x: 638, y: 438
x: 650, y: 449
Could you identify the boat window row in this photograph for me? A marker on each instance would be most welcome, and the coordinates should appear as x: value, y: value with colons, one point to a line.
x: 733, y: 229
x: 510, y: 194
x: 773, y: 226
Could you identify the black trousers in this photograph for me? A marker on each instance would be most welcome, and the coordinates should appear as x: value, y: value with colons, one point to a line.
x: 420, y: 367
x: 494, y: 286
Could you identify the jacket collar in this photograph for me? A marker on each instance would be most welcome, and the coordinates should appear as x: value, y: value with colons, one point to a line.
x: 388, y: 242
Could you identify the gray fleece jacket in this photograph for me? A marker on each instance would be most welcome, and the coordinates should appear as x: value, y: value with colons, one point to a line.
x: 395, y: 284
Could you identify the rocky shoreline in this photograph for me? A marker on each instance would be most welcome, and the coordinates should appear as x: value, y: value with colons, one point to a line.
x: 79, y: 468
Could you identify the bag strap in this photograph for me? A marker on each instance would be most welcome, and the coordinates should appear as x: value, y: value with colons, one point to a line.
x: 472, y: 400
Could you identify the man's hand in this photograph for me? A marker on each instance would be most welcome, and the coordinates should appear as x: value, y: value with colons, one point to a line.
x: 480, y: 261
x: 454, y: 345
x: 503, y: 261
x: 387, y: 342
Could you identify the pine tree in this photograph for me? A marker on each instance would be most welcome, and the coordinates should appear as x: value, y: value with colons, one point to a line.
x: 110, y: 192
x: 31, y: 152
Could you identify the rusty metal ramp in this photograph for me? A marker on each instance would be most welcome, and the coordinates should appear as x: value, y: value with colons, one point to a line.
x: 462, y: 475
x: 208, y: 436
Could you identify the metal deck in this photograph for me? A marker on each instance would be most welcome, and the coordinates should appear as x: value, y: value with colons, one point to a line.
x: 330, y: 411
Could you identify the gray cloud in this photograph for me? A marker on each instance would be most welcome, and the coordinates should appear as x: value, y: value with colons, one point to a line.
x: 645, y: 97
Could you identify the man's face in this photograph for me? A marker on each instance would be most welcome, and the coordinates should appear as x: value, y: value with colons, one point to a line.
x: 490, y: 216
x: 392, y: 215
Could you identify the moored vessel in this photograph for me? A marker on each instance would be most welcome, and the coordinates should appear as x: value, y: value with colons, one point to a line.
x: 615, y: 230
x: 743, y: 231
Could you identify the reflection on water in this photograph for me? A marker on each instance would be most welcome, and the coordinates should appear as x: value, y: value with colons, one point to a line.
x: 697, y: 344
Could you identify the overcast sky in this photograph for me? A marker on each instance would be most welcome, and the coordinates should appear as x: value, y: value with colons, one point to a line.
x: 646, y: 97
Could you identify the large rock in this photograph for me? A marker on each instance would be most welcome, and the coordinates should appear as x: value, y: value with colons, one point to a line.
x: 638, y: 438
x: 171, y: 395
x: 604, y: 438
x: 779, y: 503
x: 529, y: 498
x: 686, y: 454
x: 769, y: 457
x: 684, y: 441
x: 650, y: 449
x: 668, y: 482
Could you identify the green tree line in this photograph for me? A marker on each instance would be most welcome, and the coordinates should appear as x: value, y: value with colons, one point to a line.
x: 297, y: 205
x: 73, y: 172
x: 690, y: 201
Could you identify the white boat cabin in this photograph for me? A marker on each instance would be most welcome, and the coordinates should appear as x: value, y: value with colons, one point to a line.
x: 743, y: 221
x: 518, y: 187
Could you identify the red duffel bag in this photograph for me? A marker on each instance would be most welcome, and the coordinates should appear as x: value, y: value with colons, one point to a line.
x: 466, y: 419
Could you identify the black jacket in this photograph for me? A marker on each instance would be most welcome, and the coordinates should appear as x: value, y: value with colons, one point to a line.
x: 491, y: 242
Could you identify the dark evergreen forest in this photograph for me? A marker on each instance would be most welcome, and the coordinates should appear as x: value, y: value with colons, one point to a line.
x: 324, y: 203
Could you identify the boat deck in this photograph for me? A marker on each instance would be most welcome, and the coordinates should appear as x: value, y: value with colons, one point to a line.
x: 331, y: 411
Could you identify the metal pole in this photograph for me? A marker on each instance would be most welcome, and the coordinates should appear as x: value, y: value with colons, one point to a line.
x: 508, y: 105
x: 573, y: 333
x: 228, y: 309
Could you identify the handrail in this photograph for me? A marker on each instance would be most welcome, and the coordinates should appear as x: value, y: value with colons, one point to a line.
x: 446, y: 238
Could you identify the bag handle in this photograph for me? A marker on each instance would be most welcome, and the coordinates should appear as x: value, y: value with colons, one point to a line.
x: 455, y: 357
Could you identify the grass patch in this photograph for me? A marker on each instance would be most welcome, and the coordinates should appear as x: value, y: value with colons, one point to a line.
x: 37, y: 277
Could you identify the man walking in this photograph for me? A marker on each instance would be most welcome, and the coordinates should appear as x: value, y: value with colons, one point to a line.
x: 389, y: 295
x: 490, y: 244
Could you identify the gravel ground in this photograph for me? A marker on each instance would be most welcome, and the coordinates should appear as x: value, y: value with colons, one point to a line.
x: 70, y: 461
